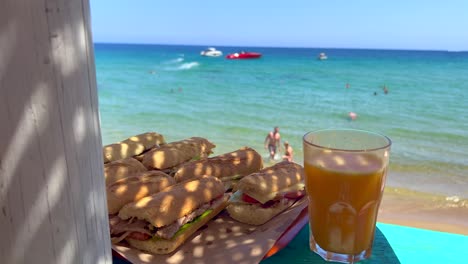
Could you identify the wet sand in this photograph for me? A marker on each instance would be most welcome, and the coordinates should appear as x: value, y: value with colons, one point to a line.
x: 423, y: 210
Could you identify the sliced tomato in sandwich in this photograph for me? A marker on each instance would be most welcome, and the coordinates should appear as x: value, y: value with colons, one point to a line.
x: 248, y: 199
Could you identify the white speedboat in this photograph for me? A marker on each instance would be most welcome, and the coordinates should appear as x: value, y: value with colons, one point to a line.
x: 322, y: 56
x: 211, y: 52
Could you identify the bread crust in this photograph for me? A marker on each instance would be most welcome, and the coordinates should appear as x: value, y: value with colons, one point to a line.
x: 272, y: 179
x: 135, y: 187
x: 166, y: 246
x: 119, y: 169
x: 175, y: 153
x: 174, y: 202
x: 240, y: 162
x: 254, y: 214
x: 132, y: 146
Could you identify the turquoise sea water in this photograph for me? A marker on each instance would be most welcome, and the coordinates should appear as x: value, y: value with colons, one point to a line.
x: 178, y: 93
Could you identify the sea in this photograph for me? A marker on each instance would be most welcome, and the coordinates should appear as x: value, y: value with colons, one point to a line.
x: 173, y: 90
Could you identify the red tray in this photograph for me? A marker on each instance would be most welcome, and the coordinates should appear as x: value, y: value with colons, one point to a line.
x: 290, y: 233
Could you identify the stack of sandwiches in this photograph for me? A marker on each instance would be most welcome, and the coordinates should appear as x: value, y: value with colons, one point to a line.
x: 159, y: 193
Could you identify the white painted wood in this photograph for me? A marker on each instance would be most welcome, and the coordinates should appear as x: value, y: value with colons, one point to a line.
x: 52, y: 195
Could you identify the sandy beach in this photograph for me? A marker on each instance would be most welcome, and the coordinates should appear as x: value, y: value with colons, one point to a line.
x: 423, y: 210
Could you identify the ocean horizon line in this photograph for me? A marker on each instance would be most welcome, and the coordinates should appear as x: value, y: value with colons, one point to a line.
x: 279, y: 47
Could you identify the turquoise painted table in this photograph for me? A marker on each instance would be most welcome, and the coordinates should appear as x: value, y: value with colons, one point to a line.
x: 392, y: 244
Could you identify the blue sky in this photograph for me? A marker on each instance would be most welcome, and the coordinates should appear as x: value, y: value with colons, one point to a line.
x: 391, y: 24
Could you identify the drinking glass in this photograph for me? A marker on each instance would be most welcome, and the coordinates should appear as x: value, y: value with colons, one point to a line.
x: 345, y: 173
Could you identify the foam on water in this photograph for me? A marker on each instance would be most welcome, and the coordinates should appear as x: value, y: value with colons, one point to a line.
x: 188, y: 66
x: 174, y: 61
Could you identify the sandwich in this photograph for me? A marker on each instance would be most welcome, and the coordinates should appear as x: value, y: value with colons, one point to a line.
x: 228, y: 167
x: 161, y: 222
x: 262, y: 195
x: 119, y: 169
x: 132, y: 146
x: 175, y: 153
x: 135, y: 187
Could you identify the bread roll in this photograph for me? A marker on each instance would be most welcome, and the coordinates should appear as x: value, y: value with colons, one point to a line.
x: 237, y: 163
x: 256, y: 215
x: 135, y: 187
x: 132, y: 146
x: 272, y: 179
x: 166, y: 246
x: 116, y: 170
x: 174, y: 202
x: 262, y: 195
x: 175, y: 153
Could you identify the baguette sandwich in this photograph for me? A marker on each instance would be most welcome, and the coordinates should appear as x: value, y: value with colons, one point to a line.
x: 132, y: 146
x: 228, y: 167
x: 175, y: 153
x: 160, y: 223
x: 119, y: 169
x: 262, y: 195
x: 135, y: 187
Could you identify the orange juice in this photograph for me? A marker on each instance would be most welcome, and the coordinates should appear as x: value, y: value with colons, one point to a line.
x: 344, y: 189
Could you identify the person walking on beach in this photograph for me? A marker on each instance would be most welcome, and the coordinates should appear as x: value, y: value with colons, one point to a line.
x: 273, y: 142
x: 288, y: 152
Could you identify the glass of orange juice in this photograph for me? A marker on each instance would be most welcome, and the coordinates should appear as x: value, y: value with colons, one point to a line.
x: 345, y: 173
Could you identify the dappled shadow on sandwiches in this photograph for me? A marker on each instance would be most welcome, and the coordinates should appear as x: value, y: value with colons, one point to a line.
x: 224, y: 240
x: 221, y: 239
x: 120, y: 169
x: 132, y: 146
x: 135, y: 187
x: 227, y: 167
x: 175, y: 153
x: 173, y: 214
x: 272, y: 179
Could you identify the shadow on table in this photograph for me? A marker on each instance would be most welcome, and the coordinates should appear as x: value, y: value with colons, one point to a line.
x: 298, y: 251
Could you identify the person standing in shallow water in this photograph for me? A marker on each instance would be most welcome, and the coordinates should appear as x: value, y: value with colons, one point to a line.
x: 273, y: 142
x: 288, y: 152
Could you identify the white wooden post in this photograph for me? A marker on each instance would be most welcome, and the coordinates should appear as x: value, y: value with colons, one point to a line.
x: 52, y: 194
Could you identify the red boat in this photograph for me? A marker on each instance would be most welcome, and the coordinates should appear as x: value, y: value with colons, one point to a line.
x: 243, y: 55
